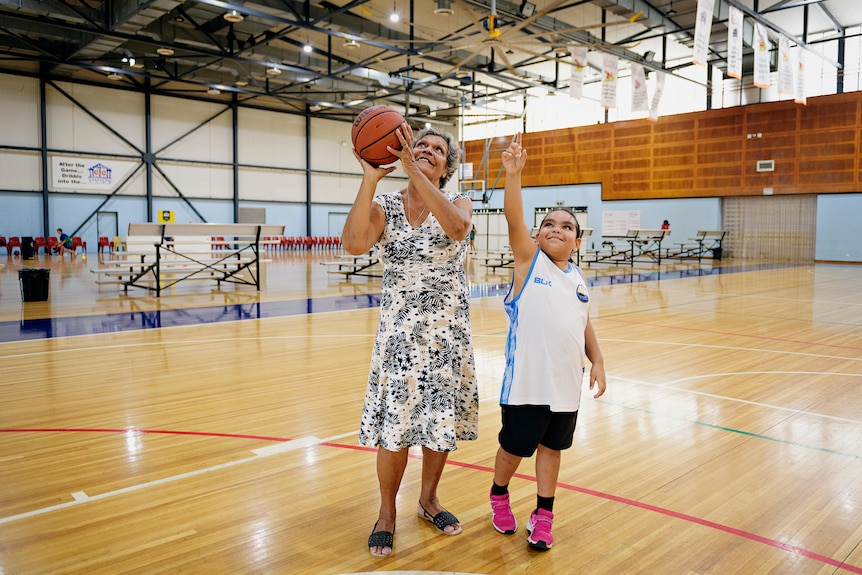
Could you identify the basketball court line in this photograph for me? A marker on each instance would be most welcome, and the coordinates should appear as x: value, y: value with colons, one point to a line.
x: 93, y: 324
x: 80, y: 497
x: 714, y: 332
x: 286, y: 445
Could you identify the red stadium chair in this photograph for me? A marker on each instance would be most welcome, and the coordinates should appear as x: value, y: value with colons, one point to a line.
x: 52, y: 244
x: 77, y: 242
x: 40, y: 242
x: 105, y: 243
x: 14, y: 243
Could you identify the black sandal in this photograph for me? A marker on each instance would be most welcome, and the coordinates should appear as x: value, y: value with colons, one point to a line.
x: 441, y: 521
x: 381, y: 539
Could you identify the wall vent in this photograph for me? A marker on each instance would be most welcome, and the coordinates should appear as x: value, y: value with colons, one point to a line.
x: 766, y: 165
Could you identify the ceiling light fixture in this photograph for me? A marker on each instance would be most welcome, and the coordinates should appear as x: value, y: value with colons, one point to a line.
x: 314, y: 108
x: 527, y: 9
x: 213, y: 91
x: 307, y: 48
x: 671, y: 12
x: 115, y: 76
x: 351, y: 44
x: 394, y: 17
x: 444, y: 8
x: 165, y: 51
x: 233, y: 17
x: 240, y: 83
x: 273, y: 71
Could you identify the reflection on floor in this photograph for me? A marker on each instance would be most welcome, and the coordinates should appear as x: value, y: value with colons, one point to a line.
x: 295, y: 286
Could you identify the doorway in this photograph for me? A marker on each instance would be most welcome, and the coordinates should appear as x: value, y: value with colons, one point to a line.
x: 107, y: 224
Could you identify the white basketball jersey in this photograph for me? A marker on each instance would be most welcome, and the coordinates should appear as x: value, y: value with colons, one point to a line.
x: 545, y: 341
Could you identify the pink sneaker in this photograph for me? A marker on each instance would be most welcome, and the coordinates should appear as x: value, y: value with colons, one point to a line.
x: 539, y: 527
x: 501, y: 515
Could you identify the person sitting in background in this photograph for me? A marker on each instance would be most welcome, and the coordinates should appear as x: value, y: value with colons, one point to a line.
x: 64, y: 243
x: 665, y: 225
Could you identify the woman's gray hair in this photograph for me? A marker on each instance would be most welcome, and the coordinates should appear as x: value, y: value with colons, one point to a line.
x: 452, y: 157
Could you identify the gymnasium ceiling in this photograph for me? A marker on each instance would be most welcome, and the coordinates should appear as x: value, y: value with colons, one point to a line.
x: 441, y: 53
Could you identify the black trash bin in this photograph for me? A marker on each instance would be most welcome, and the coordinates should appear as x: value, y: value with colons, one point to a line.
x: 27, y: 248
x: 716, y: 253
x: 34, y: 283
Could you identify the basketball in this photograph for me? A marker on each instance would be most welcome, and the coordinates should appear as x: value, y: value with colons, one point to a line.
x: 373, y: 129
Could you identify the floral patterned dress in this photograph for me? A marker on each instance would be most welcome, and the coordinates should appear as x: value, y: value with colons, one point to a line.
x: 422, y: 383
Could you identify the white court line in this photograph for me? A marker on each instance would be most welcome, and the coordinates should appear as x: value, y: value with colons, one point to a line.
x: 80, y: 497
x: 164, y: 343
x: 669, y: 385
x: 734, y: 348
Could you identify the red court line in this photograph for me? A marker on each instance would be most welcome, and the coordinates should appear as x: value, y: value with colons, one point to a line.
x: 690, y: 518
x: 591, y: 492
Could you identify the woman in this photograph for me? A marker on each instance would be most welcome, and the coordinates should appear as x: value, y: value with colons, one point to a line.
x: 422, y: 384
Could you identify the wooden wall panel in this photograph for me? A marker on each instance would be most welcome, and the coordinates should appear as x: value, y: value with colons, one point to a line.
x: 816, y: 149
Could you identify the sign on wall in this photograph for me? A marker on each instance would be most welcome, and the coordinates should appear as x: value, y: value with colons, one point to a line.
x: 618, y: 222
x: 71, y: 173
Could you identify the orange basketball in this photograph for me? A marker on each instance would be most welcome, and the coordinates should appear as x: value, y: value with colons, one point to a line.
x: 374, y: 129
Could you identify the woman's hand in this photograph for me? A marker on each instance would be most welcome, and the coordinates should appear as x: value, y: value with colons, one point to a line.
x: 515, y: 157
x: 405, y: 154
x: 372, y: 172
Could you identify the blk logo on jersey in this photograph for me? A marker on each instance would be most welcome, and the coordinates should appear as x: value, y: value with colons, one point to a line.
x: 543, y: 282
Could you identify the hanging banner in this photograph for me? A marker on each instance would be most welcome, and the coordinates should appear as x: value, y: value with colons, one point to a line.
x: 579, y: 67
x: 656, y: 97
x: 799, y: 84
x: 761, y: 56
x: 734, y: 42
x: 702, y: 30
x: 609, y: 81
x: 640, y: 98
x: 79, y: 173
x: 785, y: 66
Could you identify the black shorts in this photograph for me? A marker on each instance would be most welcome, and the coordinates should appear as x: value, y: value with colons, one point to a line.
x: 525, y: 427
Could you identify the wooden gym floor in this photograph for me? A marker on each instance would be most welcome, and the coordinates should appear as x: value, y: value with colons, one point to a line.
x: 214, y: 432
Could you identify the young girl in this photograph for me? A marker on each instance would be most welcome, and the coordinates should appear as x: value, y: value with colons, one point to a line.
x: 547, y: 309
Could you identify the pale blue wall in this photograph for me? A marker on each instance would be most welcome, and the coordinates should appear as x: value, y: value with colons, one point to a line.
x: 686, y: 216
x: 838, y: 215
x: 839, y: 219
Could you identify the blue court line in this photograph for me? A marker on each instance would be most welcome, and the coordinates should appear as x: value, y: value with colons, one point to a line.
x: 32, y: 329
